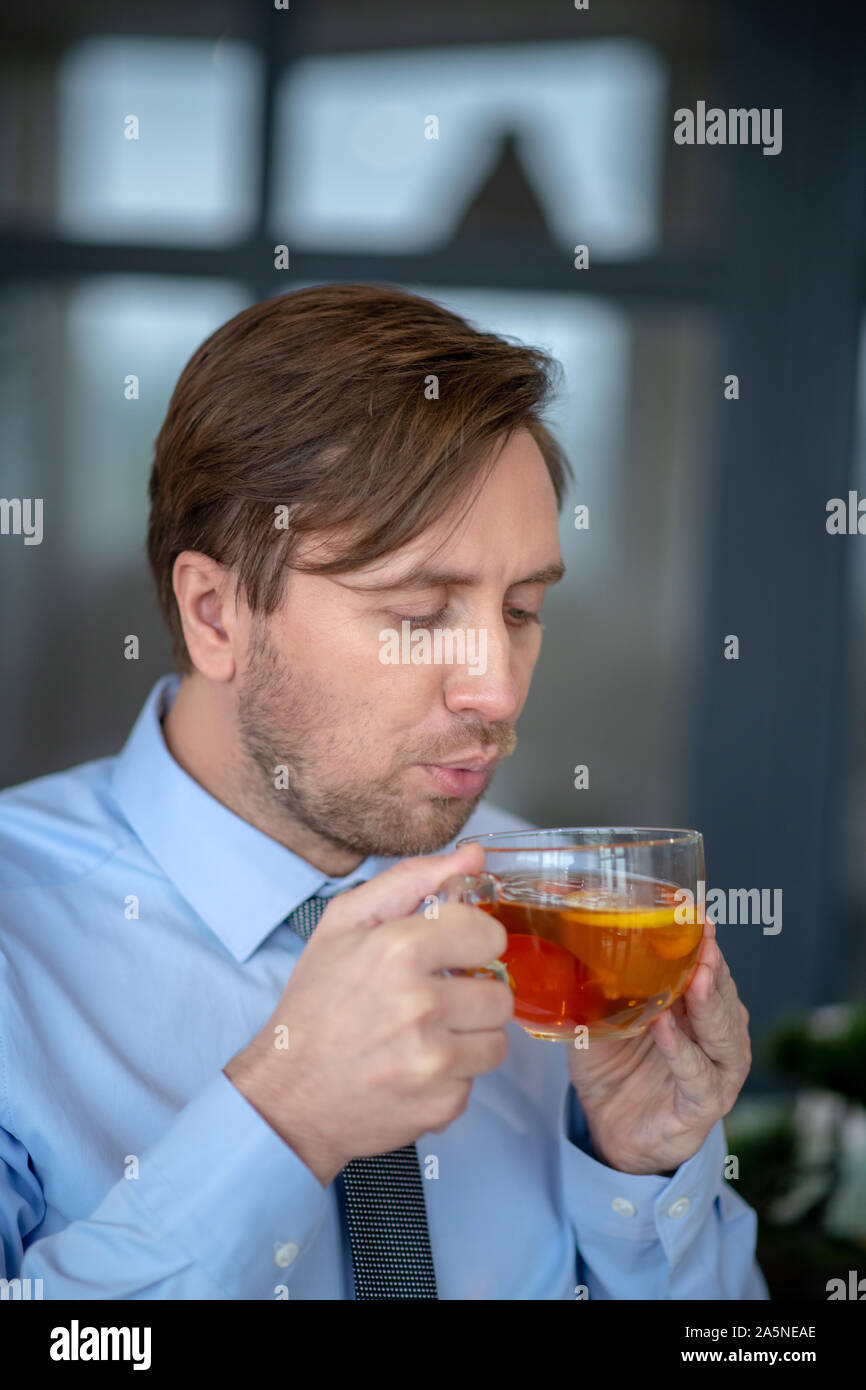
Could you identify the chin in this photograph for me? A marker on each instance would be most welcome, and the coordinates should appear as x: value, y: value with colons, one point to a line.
x: 437, y: 823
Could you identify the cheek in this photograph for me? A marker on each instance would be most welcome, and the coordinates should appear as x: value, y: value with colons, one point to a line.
x: 331, y: 646
x: 349, y: 674
x: 406, y: 694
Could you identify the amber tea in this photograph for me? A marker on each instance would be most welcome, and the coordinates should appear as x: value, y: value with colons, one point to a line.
x: 584, y: 950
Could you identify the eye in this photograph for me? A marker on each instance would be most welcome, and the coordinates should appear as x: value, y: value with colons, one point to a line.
x: 430, y: 621
x: 522, y: 616
x: 519, y: 617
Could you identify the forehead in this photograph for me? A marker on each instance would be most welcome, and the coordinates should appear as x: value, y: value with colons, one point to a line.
x: 509, y: 523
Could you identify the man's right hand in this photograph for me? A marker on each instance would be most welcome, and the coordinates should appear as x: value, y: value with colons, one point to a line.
x: 382, y: 1047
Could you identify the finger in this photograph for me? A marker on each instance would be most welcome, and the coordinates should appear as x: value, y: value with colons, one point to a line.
x: 473, y: 1005
x: 714, y: 1012
x: 690, y: 1067
x: 479, y: 1052
x: 680, y: 1013
x: 460, y: 938
x: 398, y: 891
x: 710, y: 954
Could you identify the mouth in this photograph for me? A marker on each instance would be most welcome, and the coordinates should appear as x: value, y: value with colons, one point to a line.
x: 461, y: 776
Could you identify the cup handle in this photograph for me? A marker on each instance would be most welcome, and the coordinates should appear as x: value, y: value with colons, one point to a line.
x: 474, y: 889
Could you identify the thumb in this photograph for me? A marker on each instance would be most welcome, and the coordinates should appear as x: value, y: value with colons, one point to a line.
x: 398, y: 891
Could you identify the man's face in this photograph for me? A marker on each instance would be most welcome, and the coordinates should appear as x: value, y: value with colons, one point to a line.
x: 364, y: 739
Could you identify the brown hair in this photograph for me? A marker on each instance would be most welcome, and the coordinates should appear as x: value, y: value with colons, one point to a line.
x: 319, y: 400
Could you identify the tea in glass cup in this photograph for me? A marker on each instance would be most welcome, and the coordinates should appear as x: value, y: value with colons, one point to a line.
x: 601, y: 934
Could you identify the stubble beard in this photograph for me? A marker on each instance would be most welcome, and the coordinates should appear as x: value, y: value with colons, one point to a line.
x: 281, y: 724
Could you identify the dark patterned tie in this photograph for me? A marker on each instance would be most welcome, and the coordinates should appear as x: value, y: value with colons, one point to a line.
x: 383, y: 1199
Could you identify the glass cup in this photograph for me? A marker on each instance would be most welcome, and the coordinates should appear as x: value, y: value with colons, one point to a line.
x: 604, y: 923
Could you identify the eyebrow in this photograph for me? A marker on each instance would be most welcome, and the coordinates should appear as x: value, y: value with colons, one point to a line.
x: 426, y: 577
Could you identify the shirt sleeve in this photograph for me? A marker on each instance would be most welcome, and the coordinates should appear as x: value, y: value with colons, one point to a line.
x: 643, y: 1236
x: 222, y: 1209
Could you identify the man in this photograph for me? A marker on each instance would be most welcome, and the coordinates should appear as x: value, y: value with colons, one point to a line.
x: 209, y: 1087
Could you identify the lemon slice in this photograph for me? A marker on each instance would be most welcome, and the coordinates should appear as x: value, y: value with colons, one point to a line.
x: 593, y: 913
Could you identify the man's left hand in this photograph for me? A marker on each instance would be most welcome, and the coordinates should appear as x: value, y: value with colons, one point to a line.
x: 651, y: 1101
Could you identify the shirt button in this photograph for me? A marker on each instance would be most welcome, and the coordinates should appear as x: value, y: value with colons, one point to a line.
x: 623, y: 1206
x: 679, y: 1208
x: 284, y: 1254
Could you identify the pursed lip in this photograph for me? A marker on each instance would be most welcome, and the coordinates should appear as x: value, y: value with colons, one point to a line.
x: 478, y: 763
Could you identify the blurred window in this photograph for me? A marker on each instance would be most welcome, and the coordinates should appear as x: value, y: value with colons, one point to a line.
x: 355, y: 169
x: 118, y: 327
x: 190, y: 175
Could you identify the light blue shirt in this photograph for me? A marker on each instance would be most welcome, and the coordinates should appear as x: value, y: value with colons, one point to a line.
x: 141, y: 947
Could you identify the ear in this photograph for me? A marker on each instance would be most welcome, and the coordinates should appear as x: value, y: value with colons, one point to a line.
x: 205, y: 594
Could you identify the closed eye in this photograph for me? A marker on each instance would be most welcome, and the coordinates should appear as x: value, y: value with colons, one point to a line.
x: 520, y: 617
x: 429, y: 621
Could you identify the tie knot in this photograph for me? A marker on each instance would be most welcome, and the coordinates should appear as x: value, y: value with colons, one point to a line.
x: 305, y: 917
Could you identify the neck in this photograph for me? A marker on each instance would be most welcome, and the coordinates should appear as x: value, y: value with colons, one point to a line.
x: 200, y: 735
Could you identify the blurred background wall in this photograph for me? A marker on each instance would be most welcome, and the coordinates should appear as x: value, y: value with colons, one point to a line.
x: 259, y: 127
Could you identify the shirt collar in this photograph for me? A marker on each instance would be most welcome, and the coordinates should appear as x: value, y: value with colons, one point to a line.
x: 240, y: 881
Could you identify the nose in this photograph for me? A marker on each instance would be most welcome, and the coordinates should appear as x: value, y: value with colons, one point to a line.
x: 485, y: 685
